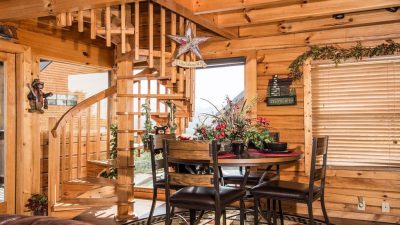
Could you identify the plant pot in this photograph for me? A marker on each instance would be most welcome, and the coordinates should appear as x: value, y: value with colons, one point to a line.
x: 237, y: 147
x: 38, y: 213
x: 277, y: 146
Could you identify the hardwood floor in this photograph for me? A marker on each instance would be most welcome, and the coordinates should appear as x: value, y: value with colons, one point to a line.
x: 105, y: 215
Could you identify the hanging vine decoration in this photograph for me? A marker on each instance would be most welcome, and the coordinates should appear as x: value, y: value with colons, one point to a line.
x: 147, y: 123
x: 171, y: 116
x: 338, y: 55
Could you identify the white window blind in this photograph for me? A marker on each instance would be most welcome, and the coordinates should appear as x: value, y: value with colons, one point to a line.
x: 357, y: 105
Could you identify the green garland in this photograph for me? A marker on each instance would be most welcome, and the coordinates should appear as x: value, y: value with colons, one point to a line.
x: 113, y: 172
x: 171, y: 116
x: 148, y: 125
x: 339, y: 55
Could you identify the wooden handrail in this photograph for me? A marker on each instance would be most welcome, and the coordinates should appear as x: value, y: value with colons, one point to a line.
x: 82, y: 106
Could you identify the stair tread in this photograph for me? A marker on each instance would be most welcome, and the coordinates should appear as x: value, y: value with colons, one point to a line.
x: 92, y: 181
x: 66, y: 205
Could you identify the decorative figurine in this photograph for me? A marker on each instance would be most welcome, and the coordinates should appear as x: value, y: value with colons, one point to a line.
x: 8, y: 32
x: 160, y: 130
x: 37, y: 98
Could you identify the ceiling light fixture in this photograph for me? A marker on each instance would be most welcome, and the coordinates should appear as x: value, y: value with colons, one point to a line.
x: 392, y: 9
x: 338, y: 16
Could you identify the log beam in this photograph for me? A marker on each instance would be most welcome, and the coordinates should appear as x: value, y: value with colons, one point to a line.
x: 207, y: 6
x: 174, y: 6
x: 22, y: 9
x: 301, y: 11
x: 326, y: 23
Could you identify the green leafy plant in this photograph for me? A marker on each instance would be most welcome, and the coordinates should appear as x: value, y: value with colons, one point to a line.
x: 258, y: 134
x: 148, y: 125
x: 38, y: 204
x: 171, y: 116
x: 339, y: 55
x: 113, y: 172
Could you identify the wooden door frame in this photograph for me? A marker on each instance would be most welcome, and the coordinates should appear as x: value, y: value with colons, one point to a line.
x: 10, y: 133
x: 27, y: 147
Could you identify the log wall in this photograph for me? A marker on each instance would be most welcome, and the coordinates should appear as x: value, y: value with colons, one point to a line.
x: 344, y: 185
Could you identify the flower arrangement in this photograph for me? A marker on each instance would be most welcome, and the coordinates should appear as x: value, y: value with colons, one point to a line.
x: 38, y: 204
x: 258, y: 134
x: 229, y: 123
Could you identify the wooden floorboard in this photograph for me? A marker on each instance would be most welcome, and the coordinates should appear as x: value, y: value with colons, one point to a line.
x: 105, y: 215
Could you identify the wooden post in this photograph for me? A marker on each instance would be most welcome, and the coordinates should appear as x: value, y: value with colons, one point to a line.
x: 307, y: 115
x: 137, y: 25
x: 151, y: 34
x: 93, y: 24
x: 80, y: 21
x: 123, y: 28
x: 173, y: 46
x: 88, y: 153
x: 53, y: 167
x: 98, y: 127
x: 71, y: 146
x: 181, y: 81
x: 162, y: 44
x: 125, y: 160
x: 108, y: 26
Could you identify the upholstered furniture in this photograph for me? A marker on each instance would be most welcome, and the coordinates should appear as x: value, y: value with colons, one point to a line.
x: 298, y: 192
x: 202, y: 191
x: 36, y: 220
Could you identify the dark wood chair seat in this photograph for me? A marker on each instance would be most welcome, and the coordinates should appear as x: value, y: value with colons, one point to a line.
x: 285, y: 190
x: 204, y: 197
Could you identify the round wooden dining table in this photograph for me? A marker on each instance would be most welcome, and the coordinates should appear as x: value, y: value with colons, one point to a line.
x: 252, y: 157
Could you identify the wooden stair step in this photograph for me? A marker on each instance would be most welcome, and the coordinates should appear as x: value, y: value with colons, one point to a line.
x: 92, y: 181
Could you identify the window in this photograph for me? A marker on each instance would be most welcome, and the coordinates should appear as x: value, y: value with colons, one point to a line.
x: 63, y: 100
x: 221, y: 78
x: 357, y: 105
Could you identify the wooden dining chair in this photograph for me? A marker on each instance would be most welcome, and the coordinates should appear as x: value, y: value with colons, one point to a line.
x: 156, y: 148
x: 299, y: 192
x: 202, y: 191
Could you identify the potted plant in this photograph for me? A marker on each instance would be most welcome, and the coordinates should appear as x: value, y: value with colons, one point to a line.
x: 258, y: 135
x: 231, y: 123
x: 38, y: 204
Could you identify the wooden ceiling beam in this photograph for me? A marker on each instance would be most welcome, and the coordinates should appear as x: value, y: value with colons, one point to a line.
x: 204, y: 21
x: 22, y: 9
x: 207, y: 6
x: 351, y: 20
x: 301, y: 11
x: 335, y: 36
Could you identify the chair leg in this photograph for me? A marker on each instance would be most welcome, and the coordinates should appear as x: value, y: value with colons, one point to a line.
x: 281, y: 212
x: 242, y: 211
x: 153, y: 206
x: 167, y: 212
x: 217, y: 217
x: 324, y: 210
x: 274, y: 211
x: 310, y: 213
x: 255, y: 207
x: 224, y: 217
x: 269, y: 211
x: 192, y: 216
x: 172, y: 214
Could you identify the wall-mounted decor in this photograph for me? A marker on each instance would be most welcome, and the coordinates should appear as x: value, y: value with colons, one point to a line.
x: 280, y: 93
x: 188, y: 43
x: 37, y: 98
x: 8, y: 32
x: 339, y: 55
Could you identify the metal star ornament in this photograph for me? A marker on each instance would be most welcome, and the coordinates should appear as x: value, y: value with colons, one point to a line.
x: 188, y: 42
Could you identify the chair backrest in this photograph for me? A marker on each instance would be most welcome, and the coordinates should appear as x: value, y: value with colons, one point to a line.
x: 156, y: 147
x: 319, y: 159
x: 191, y: 153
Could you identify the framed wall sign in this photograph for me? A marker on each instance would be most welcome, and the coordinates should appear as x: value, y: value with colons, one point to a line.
x: 280, y: 93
